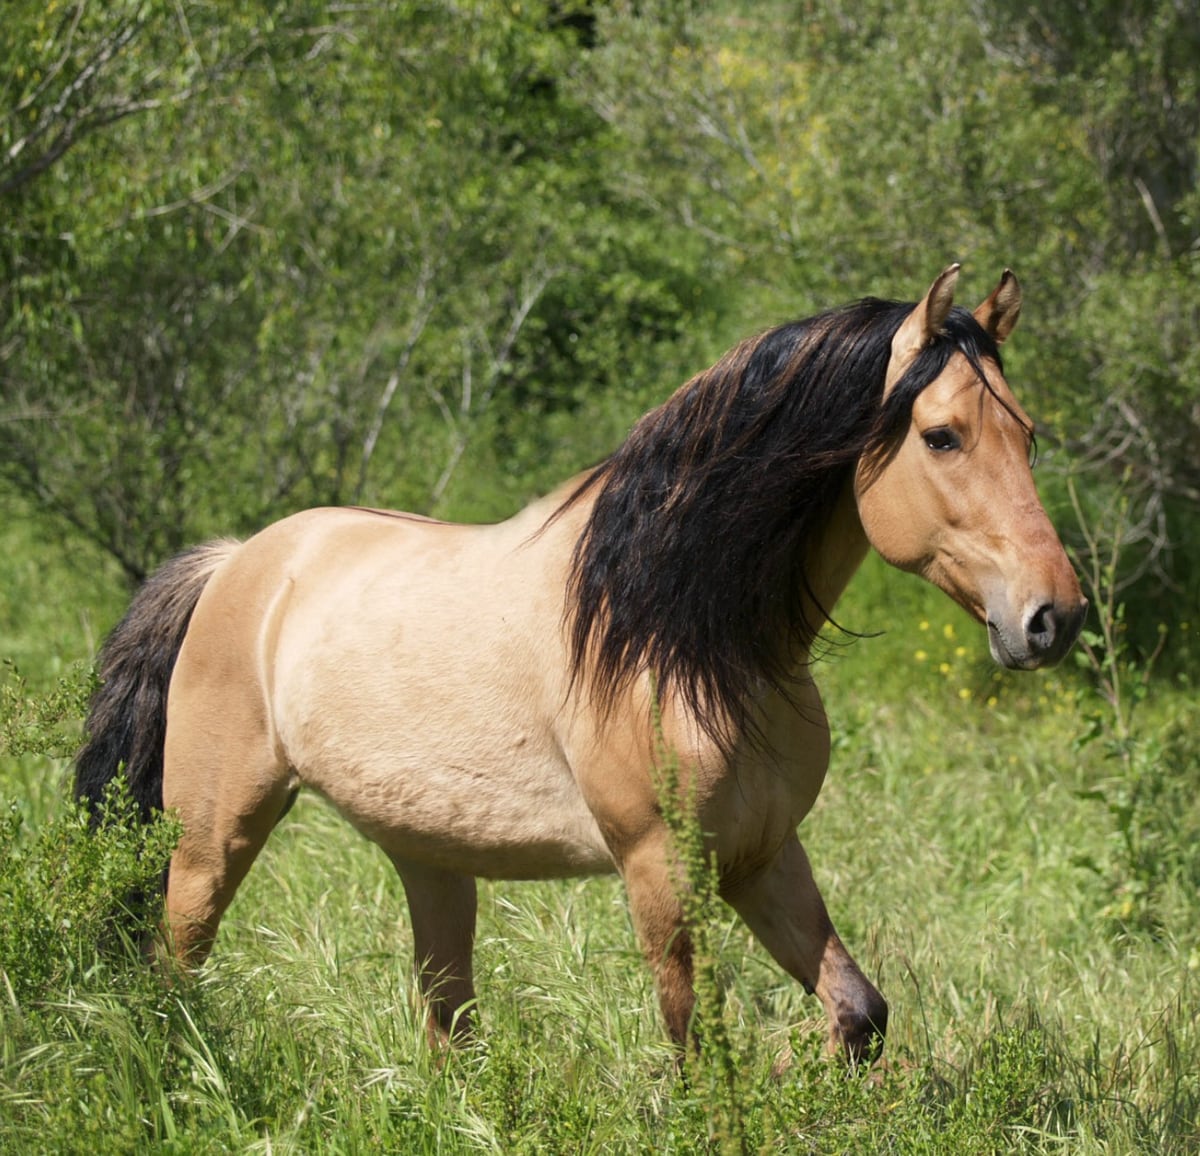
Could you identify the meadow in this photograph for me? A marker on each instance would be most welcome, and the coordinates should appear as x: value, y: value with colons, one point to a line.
x: 1013, y: 859
x: 438, y: 256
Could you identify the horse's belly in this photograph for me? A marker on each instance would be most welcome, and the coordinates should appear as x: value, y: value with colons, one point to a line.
x: 504, y: 812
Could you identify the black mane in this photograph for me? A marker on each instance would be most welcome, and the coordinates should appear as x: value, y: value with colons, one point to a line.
x: 693, y: 563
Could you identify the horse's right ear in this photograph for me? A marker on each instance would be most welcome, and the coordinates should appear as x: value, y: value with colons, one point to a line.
x: 921, y: 326
x: 999, y: 313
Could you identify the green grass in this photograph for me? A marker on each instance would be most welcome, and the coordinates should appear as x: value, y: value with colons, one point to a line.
x: 1032, y: 921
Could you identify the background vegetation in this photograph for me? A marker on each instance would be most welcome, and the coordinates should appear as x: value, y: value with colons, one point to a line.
x: 437, y: 256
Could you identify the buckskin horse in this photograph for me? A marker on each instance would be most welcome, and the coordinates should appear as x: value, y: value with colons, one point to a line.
x: 491, y: 700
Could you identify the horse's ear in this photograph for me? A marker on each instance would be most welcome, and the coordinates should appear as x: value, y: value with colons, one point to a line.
x: 921, y: 326
x: 999, y: 313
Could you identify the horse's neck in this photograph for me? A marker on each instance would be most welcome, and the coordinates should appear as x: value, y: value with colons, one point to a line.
x: 839, y: 551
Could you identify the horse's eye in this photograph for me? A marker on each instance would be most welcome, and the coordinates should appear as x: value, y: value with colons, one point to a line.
x: 942, y: 439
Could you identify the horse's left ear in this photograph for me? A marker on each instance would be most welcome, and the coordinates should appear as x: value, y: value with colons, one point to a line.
x: 999, y: 313
x: 921, y: 326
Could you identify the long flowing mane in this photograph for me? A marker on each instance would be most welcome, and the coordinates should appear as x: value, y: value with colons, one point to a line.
x: 694, y: 561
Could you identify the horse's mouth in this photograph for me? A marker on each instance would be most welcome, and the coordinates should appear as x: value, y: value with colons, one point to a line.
x: 1005, y: 657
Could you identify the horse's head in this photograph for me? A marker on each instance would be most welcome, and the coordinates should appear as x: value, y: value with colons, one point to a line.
x: 952, y: 498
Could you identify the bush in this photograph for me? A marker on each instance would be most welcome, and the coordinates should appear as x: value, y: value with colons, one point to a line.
x: 69, y: 893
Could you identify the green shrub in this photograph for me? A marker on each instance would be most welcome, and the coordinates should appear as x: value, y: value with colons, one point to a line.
x: 68, y: 892
x: 46, y: 724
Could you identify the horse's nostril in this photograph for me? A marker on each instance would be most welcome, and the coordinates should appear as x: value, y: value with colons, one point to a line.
x: 1042, y: 627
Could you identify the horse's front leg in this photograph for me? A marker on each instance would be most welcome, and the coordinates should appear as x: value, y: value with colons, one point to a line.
x: 784, y: 909
x: 652, y: 884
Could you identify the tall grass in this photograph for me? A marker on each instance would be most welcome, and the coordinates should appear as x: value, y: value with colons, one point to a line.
x: 971, y: 844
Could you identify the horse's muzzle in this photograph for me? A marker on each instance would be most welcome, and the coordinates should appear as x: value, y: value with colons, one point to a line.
x: 1047, y: 634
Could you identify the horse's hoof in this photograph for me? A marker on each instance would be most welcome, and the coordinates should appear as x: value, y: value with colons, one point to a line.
x: 861, y: 1030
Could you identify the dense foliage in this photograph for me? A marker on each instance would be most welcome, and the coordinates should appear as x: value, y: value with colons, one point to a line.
x: 435, y: 256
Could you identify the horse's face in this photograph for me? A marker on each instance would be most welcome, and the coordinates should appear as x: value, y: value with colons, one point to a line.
x: 955, y: 501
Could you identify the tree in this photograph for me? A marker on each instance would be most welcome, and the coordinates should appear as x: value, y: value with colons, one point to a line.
x: 383, y: 241
x: 857, y: 147
x: 334, y: 253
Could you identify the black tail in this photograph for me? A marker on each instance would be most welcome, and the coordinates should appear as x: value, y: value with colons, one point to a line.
x: 127, y: 719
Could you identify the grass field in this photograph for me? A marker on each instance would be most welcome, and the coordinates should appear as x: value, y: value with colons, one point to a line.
x: 1016, y: 871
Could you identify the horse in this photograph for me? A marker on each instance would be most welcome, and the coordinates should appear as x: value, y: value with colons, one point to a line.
x: 494, y: 701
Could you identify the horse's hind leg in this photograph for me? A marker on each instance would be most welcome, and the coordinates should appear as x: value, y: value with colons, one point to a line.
x: 784, y: 909
x: 442, y: 906
x: 225, y: 781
